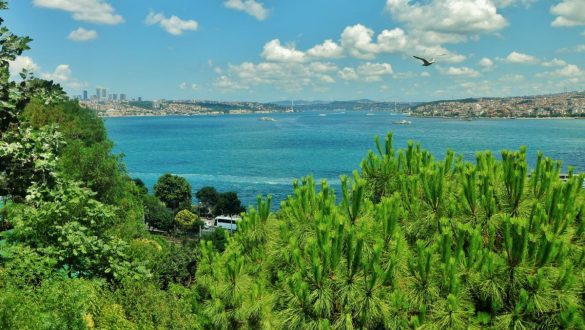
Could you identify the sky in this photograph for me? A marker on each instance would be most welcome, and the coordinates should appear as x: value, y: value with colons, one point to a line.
x: 271, y: 50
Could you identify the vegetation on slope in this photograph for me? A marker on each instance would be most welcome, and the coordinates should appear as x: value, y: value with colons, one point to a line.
x: 412, y: 242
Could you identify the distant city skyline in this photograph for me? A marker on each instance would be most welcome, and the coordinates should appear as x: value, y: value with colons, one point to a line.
x: 260, y: 50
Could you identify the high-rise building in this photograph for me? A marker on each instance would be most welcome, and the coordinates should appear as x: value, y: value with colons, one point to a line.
x: 85, y: 95
x: 98, y: 93
x: 104, y: 93
x: 139, y: 99
x: 115, y: 97
x: 122, y: 97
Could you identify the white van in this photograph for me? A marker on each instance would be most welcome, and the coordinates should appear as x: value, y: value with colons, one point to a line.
x: 227, y: 223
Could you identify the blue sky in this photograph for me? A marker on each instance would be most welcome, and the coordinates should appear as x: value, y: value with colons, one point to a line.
x: 267, y: 50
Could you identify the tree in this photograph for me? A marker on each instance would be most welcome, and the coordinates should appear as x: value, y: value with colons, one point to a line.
x: 156, y: 214
x: 174, y: 191
x: 209, y: 197
x: 187, y: 221
x: 228, y: 204
x: 141, y: 186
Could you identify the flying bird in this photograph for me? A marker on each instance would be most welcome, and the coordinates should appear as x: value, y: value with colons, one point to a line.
x: 425, y: 61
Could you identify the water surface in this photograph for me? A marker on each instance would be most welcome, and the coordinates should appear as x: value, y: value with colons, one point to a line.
x: 243, y: 154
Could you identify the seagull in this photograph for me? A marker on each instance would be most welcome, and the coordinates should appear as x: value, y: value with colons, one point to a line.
x: 425, y: 61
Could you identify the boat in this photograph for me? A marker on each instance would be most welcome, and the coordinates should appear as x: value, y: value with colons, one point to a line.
x: 402, y: 122
x: 266, y: 119
x: 322, y: 115
x: 369, y: 114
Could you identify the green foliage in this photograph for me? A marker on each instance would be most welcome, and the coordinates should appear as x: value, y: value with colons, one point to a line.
x: 68, y: 225
x: 208, y: 196
x: 174, y: 191
x: 228, y: 204
x: 413, y: 243
x: 156, y: 214
x: 187, y: 220
x: 28, y: 156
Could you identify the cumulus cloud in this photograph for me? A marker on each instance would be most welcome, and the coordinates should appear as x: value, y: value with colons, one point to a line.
x: 567, y: 71
x: 275, y: 51
x: 82, y: 34
x: 374, y: 71
x: 450, y: 20
x: 63, y: 75
x: 520, y: 58
x: 288, y: 76
x: 348, y: 73
x: 21, y: 63
x: 173, y: 25
x: 185, y: 86
x: 425, y: 74
x: 328, y: 49
x: 460, y: 71
x: 554, y: 62
x: 358, y: 40
x: 569, y: 13
x: 250, y: 7
x: 94, y: 11
x: 486, y: 63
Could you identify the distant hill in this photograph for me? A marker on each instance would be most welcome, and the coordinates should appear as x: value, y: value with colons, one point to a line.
x: 351, y: 105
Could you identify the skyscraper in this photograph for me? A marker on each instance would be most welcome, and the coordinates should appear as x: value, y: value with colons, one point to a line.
x: 122, y: 97
x: 85, y: 95
x: 104, y: 93
x: 98, y: 93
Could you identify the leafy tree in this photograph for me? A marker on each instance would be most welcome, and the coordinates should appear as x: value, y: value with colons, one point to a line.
x: 229, y: 204
x: 208, y: 196
x: 187, y: 220
x: 174, y: 191
x: 141, y: 186
x: 156, y: 214
x: 28, y: 156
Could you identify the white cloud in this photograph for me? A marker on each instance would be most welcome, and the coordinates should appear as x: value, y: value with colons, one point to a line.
x: 328, y: 49
x: 288, y: 76
x: 62, y: 75
x: 554, y: 62
x: 569, y: 72
x: 20, y: 63
x: 82, y: 34
x: 508, y: 3
x: 575, y: 49
x: 520, y: 58
x: 173, y: 25
x: 460, y: 71
x: 357, y: 40
x: 425, y: 74
x: 94, y: 11
x: 569, y: 13
x: 226, y: 83
x: 250, y: 7
x: 274, y: 51
x: 486, y: 63
x: 347, y: 74
x: 374, y: 71
x: 185, y: 86
x: 450, y: 20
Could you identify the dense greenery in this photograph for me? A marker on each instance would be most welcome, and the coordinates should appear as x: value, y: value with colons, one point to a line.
x: 413, y: 242
x: 408, y: 242
x: 218, y: 203
x: 174, y: 191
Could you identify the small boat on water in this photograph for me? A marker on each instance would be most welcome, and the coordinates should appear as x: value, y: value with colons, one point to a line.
x: 322, y: 115
x: 266, y: 119
x: 370, y: 114
x: 402, y: 122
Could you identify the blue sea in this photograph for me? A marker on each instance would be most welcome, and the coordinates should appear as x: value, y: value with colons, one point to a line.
x: 244, y: 154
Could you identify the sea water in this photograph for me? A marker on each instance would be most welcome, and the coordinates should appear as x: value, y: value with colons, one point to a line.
x: 257, y: 157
